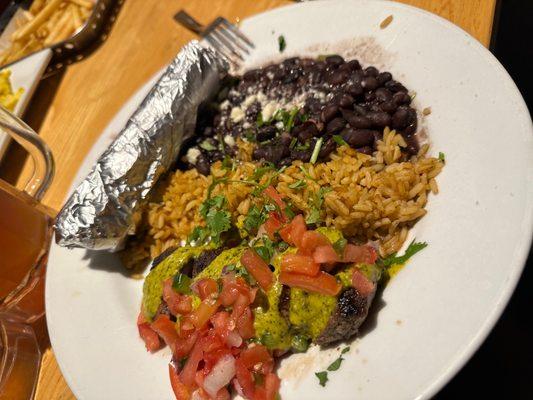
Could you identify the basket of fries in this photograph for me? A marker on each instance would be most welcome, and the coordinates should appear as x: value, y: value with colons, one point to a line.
x: 67, y: 27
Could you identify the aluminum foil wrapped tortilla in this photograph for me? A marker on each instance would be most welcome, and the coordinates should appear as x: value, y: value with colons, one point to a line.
x: 102, y: 211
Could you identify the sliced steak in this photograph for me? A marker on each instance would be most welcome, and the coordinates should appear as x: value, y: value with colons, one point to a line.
x: 203, y: 260
x: 351, y: 311
x: 162, y: 256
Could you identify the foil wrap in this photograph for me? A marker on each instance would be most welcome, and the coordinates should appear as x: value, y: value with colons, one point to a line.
x: 103, y: 209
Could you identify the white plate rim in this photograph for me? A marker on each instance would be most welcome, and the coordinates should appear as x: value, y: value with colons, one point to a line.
x: 522, y: 248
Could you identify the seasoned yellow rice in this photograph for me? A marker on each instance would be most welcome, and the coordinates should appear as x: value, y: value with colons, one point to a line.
x: 375, y: 198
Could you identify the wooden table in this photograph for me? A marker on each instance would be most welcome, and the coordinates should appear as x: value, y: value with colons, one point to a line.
x: 70, y: 110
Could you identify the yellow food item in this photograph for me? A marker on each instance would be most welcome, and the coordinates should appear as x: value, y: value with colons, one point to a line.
x: 8, y: 98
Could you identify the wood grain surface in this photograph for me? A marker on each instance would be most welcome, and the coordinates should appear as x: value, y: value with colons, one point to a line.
x: 71, y: 109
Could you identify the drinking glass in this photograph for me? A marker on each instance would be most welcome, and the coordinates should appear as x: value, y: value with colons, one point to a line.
x: 25, y: 234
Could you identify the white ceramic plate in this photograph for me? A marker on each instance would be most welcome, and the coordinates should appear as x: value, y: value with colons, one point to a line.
x: 439, y: 309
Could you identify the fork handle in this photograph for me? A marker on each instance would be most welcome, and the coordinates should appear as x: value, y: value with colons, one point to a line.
x: 189, y: 22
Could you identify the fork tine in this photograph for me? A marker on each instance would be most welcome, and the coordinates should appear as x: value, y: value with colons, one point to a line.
x: 231, y: 39
x: 216, y: 45
x: 225, y: 43
x: 237, y: 32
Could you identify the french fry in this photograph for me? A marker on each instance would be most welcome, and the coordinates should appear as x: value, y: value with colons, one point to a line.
x: 58, y: 31
x: 36, y: 6
x: 31, y: 26
x: 76, y: 16
x: 83, y: 3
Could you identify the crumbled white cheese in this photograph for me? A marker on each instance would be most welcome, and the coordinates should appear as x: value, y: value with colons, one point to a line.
x: 269, y: 109
x: 279, y: 125
x: 246, y: 125
x: 228, y: 139
x: 192, y: 155
x: 249, y: 100
x: 237, y: 114
x: 225, y: 104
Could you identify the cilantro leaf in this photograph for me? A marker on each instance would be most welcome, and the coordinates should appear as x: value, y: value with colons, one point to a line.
x: 339, y: 246
x: 281, y: 43
x: 293, y: 143
x: 266, y: 251
x: 218, y: 222
x: 442, y: 157
x: 207, y: 145
x: 260, y: 122
x: 249, y: 134
x: 345, y: 350
x: 322, y: 377
x: 259, y: 172
x: 254, y: 219
x: 413, y: 248
x: 335, y: 365
x: 298, y: 184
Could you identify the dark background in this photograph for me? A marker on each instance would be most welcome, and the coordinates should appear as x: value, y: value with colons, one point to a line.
x: 503, y: 367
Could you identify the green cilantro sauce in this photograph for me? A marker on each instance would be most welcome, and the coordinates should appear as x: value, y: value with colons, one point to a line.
x: 308, y: 312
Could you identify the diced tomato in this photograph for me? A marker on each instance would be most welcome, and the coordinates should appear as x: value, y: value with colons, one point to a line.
x: 258, y: 268
x: 239, y: 306
x: 299, y: 264
x: 272, y: 384
x: 272, y: 225
x: 325, y: 254
x: 177, y: 303
x: 360, y: 282
x: 293, y: 232
x: 147, y: 334
x: 311, y: 240
x: 212, y: 357
x: 188, y: 373
x: 184, y: 345
x: 203, y: 312
x: 223, y: 394
x: 359, y: 254
x: 323, y: 283
x: 245, y: 324
x: 245, y: 379
x: 180, y: 390
x: 275, y: 196
x: 221, y: 323
x: 166, y: 329
x: 254, y: 356
x: 206, y: 287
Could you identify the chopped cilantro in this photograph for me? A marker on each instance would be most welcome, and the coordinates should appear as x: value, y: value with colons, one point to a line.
x: 313, y: 217
x: 249, y: 135
x: 282, y: 246
x: 230, y: 267
x: 216, y: 202
x: 281, y: 43
x: 218, y: 220
x: 214, y: 184
x: 298, y: 184
x: 335, y: 365
x: 306, y: 174
x: 299, y: 343
x: 227, y: 163
x: 322, y: 377
x: 339, y: 140
x: 289, y: 213
x: 198, y: 235
x: 207, y: 145
x: 181, y: 283
x: 316, y: 150
x: 293, y: 143
x: 290, y: 121
x: 413, y: 248
x: 442, y: 157
x: 260, y: 122
x: 254, y: 219
x: 287, y: 117
x: 304, y: 146
x: 339, y: 246
x: 259, y: 172
x: 266, y: 251
x: 345, y: 350
x: 318, y: 199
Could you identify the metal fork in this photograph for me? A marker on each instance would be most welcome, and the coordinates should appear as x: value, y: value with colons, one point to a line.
x: 223, y: 36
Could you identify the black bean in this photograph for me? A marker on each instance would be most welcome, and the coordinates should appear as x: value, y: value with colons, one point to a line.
x: 357, y: 76
x: 335, y: 125
x: 369, y: 83
x: 358, y: 137
x: 266, y: 133
x: 202, y: 164
x: 409, y: 130
x: 378, y: 135
x: 356, y: 121
x: 314, y: 105
x: 329, y: 112
x: 279, y: 74
x: 303, y: 155
x: 360, y: 109
x: 252, y: 75
x: 307, y: 131
x: 345, y: 68
x: 365, y: 150
x: 383, y: 94
x: 383, y: 78
x: 412, y: 145
x: 334, y: 60
x: 389, y: 106
x: 401, y: 98
x: 272, y: 153
x: 337, y: 77
x: 292, y: 76
x: 291, y: 62
x: 327, y: 148
x: 354, y: 65
x: 209, y: 131
x: 379, y: 119
x: 370, y: 96
x: 371, y: 71
x: 216, y: 155
x: 395, y: 86
x: 307, y: 62
x: 354, y: 89
x: 346, y: 101
x: 400, y: 119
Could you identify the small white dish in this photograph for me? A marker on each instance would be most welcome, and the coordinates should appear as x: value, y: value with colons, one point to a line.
x: 437, y: 311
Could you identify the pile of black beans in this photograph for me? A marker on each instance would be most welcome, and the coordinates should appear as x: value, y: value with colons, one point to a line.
x: 356, y: 105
